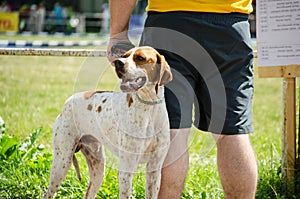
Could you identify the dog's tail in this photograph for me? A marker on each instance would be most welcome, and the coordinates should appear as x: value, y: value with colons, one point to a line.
x: 76, y: 166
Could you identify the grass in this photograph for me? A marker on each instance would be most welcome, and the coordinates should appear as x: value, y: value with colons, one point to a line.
x: 33, y: 90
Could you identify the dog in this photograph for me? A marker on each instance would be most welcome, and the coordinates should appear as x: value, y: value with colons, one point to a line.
x: 132, y: 124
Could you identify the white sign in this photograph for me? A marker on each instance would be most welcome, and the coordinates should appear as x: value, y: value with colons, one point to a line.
x: 278, y: 32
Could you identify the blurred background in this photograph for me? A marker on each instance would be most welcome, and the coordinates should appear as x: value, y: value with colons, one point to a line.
x: 67, y: 16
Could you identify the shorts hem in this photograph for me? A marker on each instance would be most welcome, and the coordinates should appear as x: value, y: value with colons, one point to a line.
x: 173, y: 125
x: 246, y: 130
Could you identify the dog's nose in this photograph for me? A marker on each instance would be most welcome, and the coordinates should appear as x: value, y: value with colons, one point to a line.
x: 119, y: 64
x: 119, y: 67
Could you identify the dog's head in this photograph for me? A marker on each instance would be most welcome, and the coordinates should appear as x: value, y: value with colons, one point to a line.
x: 140, y: 67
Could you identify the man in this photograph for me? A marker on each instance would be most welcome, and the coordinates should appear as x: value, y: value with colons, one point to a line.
x: 207, y: 44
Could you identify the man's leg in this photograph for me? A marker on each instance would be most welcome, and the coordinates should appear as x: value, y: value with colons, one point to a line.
x: 175, y: 165
x: 237, y: 166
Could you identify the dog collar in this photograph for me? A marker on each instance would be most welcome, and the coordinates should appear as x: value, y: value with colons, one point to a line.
x: 148, y: 102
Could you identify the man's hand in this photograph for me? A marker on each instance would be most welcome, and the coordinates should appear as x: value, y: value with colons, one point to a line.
x: 116, y: 48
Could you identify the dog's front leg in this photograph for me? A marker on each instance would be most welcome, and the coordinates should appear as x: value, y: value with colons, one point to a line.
x: 128, y: 165
x: 125, y: 184
x: 153, y: 172
x: 153, y: 179
x: 153, y: 184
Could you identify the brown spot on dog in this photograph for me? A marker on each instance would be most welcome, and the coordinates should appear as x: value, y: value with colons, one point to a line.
x: 89, y: 189
x: 129, y: 100
x: 94, y: 162
x: 89, y: 107
x: 88, y: 94
x: 103, y: 101
x: 99, y: 109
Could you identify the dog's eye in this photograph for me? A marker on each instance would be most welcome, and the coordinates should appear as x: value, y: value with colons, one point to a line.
x: 139, y: 58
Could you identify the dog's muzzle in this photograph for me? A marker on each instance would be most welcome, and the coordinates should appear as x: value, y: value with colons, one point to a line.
x: 131, y: 81
x: 131, y: 85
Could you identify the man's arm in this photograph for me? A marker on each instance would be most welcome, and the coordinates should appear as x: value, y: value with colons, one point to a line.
x: 120, y: 11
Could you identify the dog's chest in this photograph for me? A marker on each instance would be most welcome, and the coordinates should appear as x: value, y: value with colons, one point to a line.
x: 113, y: 119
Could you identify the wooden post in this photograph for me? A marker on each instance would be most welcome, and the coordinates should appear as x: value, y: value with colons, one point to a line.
x: 289, y: 153
x: 289, y: 133
x: 298, y: 144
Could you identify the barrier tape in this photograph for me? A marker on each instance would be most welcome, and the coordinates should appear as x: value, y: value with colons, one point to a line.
x: 52, y: 52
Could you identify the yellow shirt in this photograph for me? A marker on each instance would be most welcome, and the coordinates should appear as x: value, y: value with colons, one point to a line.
x: 215, y: 6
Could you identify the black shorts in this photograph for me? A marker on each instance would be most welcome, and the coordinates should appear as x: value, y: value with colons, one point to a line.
x: 212, y: 64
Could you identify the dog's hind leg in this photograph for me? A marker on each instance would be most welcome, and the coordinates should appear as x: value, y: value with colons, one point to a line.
x: 93, y: 152
x: 64, y: 145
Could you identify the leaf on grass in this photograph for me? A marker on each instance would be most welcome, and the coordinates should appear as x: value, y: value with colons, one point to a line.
x: 8, y: 146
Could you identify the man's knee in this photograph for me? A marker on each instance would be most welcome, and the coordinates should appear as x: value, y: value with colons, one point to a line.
x: 178, y: 150
x: 222, y: 140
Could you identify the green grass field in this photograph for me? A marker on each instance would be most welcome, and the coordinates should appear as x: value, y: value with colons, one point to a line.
x: 33, y: 91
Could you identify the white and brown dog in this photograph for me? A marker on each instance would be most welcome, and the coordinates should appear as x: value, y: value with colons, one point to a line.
x: 132, y: 124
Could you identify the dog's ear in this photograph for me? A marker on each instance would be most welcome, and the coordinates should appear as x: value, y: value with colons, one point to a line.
x: 164, y: 72
x: 165, y: 75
